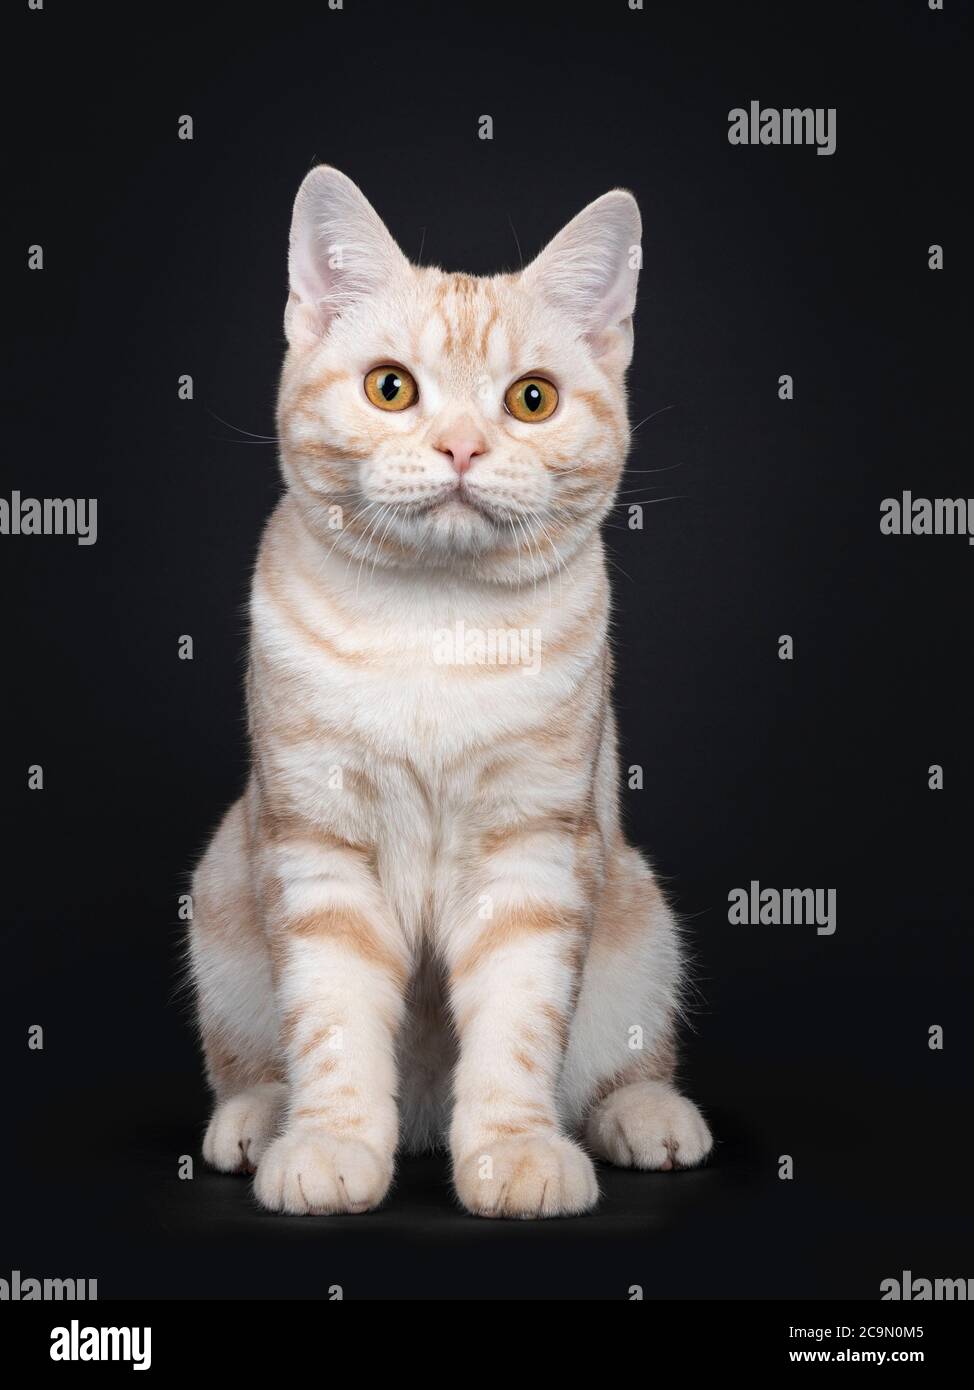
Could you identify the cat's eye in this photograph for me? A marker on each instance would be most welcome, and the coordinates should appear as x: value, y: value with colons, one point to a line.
x: 531, y: 398
x: 390, y: 388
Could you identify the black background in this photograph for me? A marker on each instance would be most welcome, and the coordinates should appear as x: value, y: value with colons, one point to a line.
x: 164, y: 257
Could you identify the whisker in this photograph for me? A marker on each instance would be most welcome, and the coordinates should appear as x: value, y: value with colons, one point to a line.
x: 648, y: 501
x: 618, y: 567
x: 662, y: 410
x: 272, y: 438
x: 665, y: 469
x: 370, y: 531
x: 561, y: 568
x: 265, y: 443
x: 517, y: 548
x: 359, y: 512
x: 531, y: 554
x: 396, y: 507
x: 516, y: 242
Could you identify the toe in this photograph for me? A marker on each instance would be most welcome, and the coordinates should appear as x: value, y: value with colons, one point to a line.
x: 649, y: 1125
x: 317, y: 1173
x: 529, y: 1177
x: 242, y: 1127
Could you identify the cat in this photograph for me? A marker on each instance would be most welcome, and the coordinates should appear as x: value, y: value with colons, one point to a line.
x: 421, y: 923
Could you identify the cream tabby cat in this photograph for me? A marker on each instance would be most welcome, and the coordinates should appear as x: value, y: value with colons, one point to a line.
x: 422, y: 920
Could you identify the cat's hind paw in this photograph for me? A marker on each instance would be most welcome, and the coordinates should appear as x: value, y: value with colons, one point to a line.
x: 242, y: 1127
x: 648, y: 1125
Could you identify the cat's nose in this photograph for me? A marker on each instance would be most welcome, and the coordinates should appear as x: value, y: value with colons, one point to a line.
x: 461, y: 448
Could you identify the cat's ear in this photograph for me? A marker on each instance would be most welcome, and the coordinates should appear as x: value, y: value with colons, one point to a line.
x: 339, y: 252
x: 589, y: 272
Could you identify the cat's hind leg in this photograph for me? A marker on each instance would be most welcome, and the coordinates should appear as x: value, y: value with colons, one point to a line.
x: 648, y: 1124
x: 230, y: 966
x: 619, y: 1074
x: 243, y: 1126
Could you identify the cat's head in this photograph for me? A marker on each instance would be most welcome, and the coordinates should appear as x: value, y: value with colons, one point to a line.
x: 444, y: 420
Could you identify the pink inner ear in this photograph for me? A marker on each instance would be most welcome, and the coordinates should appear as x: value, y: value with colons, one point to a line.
x: 340, y: 251
x: 586, y: 270
x: 304, y: 324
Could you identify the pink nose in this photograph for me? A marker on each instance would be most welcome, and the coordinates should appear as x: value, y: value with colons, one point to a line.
x: 461, y: 449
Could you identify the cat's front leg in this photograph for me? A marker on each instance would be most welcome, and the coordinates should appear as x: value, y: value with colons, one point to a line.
x: 514, y: 966
x: 341, y: 968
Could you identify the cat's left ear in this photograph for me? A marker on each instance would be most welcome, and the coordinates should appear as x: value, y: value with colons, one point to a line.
x: 589, y: 272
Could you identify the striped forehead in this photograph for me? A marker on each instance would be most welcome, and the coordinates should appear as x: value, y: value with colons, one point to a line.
x: 465, y: 333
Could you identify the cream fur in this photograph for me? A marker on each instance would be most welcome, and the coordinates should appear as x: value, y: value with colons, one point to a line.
x: 422, y: 923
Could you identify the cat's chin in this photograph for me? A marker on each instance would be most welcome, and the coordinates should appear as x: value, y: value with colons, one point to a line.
x: 456, y: 526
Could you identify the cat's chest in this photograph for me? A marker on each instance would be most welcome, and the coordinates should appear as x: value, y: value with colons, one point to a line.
x: 423, y: 748
x: 418, y: 728
x: 430, y: 687
x: 445, y: 698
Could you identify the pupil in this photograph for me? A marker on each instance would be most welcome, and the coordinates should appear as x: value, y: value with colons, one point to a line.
x: 389, y: 386
x: 532, y: 397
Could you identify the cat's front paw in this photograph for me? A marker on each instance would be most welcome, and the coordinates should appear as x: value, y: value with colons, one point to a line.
x: 313, y: 1172
x: 534, y: 1176
x: 649, y: 1125
x: 242, y: 1127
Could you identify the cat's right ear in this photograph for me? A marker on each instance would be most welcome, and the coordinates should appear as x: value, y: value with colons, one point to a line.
x: 339, y: 252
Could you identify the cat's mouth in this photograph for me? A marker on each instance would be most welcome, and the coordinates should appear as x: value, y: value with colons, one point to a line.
x: 456, y: 519
x: 458, y: 500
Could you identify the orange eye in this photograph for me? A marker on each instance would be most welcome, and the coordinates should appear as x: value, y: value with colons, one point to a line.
x: 532, y: 398
x: 391, y: 388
